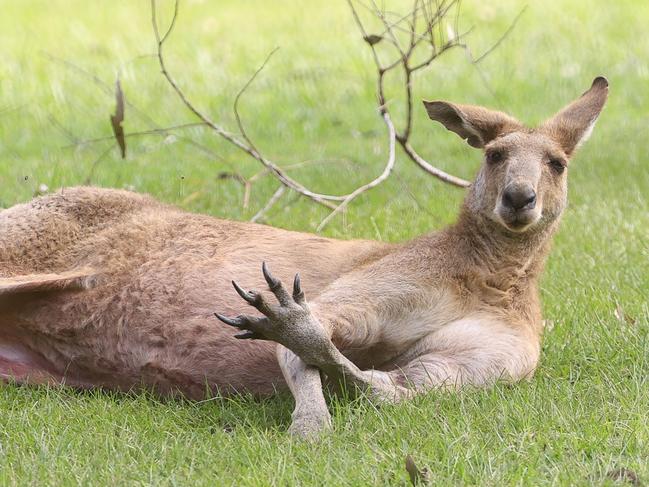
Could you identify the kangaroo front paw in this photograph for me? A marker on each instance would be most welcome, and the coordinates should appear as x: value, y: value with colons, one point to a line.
x: 290, y: 322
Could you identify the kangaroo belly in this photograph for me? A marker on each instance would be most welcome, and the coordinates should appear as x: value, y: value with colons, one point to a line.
x: 21, y: 364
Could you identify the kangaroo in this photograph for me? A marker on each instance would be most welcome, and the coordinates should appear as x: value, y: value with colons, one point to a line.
x: 111, y: 289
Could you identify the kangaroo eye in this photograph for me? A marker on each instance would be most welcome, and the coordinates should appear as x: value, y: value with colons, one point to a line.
x: 557, y: 165
x: 495, y: 156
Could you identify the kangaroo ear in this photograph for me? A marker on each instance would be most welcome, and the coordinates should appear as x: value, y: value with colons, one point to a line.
x: 572, y: 126
x: 477, y: 125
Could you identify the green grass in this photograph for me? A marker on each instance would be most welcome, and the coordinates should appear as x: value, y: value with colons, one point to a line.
x: 584, y: 413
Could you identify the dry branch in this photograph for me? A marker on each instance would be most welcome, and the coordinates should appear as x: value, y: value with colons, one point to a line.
x: 378, y: 180
x: 432, y: 23
x: 425, y: 28
x: 271, y: 202
x: 273, y: 168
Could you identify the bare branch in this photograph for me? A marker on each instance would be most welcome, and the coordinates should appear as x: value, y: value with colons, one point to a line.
x: 414, y: 40
x: 235, y: 106
x: 430, y: 169
x: 431, y: 21
x: 279, y: 174
x: 388, y: 29
x: 8, y: 109
x: 273, y: 199
x: 95, y: 163
x: 503, y: 37
x: 172, y: 23
x: 298, y: 165
x: 375, y: 182
x: 55, y: 122
x: 156, y: 131
x: 247, y: 145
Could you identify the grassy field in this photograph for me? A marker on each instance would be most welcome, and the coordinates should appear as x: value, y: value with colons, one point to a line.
x: 584, y: 414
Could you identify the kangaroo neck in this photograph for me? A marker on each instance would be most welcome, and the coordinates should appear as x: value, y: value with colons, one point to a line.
x: 487, y: 245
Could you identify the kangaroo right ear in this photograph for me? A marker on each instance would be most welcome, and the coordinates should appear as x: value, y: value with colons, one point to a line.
x: 477, y: 125
x: 574, y: 124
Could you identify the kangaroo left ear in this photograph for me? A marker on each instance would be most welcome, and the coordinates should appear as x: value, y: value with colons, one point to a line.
x: 572, y: 126
x: 477, y: 125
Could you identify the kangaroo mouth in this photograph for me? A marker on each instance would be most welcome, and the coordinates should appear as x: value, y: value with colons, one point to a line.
x: 517, y: 221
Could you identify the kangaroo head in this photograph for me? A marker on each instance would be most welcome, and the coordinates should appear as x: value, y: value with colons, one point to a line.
x: 522, y: 181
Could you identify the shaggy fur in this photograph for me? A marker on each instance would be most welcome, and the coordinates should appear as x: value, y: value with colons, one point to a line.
x: 107, y: 288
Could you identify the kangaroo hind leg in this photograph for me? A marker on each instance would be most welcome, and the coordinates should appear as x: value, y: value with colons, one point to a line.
x: 84, y: 278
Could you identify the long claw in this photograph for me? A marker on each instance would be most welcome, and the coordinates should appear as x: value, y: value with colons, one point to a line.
x: 249, y: 297
x: 298, y: 295
x: 276, y: 286
x: 273, y: 283
x: 236, y: 322
x: 246, y: 335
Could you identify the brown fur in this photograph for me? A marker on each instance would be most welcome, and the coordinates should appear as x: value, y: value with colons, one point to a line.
x: 110, y: 288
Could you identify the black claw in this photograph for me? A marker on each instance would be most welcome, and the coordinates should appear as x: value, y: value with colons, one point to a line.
x: 298, y: 295
x: 246, y: 335
x: 272, y: 282
x: 250, y: 297
x: 297, y: 289
x: 236, y: 322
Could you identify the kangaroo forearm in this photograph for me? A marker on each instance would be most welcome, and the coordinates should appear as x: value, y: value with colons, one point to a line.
x: 335, y: 326
x: 343, y: 371
x: 301, y: 371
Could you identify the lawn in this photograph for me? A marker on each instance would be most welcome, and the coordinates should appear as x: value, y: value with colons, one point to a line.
x: 583, y: 415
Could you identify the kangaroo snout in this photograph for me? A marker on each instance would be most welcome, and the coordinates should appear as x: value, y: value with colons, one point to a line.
x: 519, y: 196
x: 518, y: 208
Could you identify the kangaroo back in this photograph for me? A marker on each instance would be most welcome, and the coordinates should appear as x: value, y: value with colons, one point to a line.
x: 36, y: 237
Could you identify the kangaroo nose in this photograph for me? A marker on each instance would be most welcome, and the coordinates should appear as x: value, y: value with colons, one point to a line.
x: 517, y: 197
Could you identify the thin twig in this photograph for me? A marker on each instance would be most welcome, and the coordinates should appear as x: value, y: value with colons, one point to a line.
x: 298, y: 165
x: 502, y: 37
x: 273, y: 199
x: 235, y: 105
x: 95, y: 163
x: 155, y: 131
x: 375, y: 182
x: 8, y: 109
x: 247, y: 183
x: 68, y: 134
